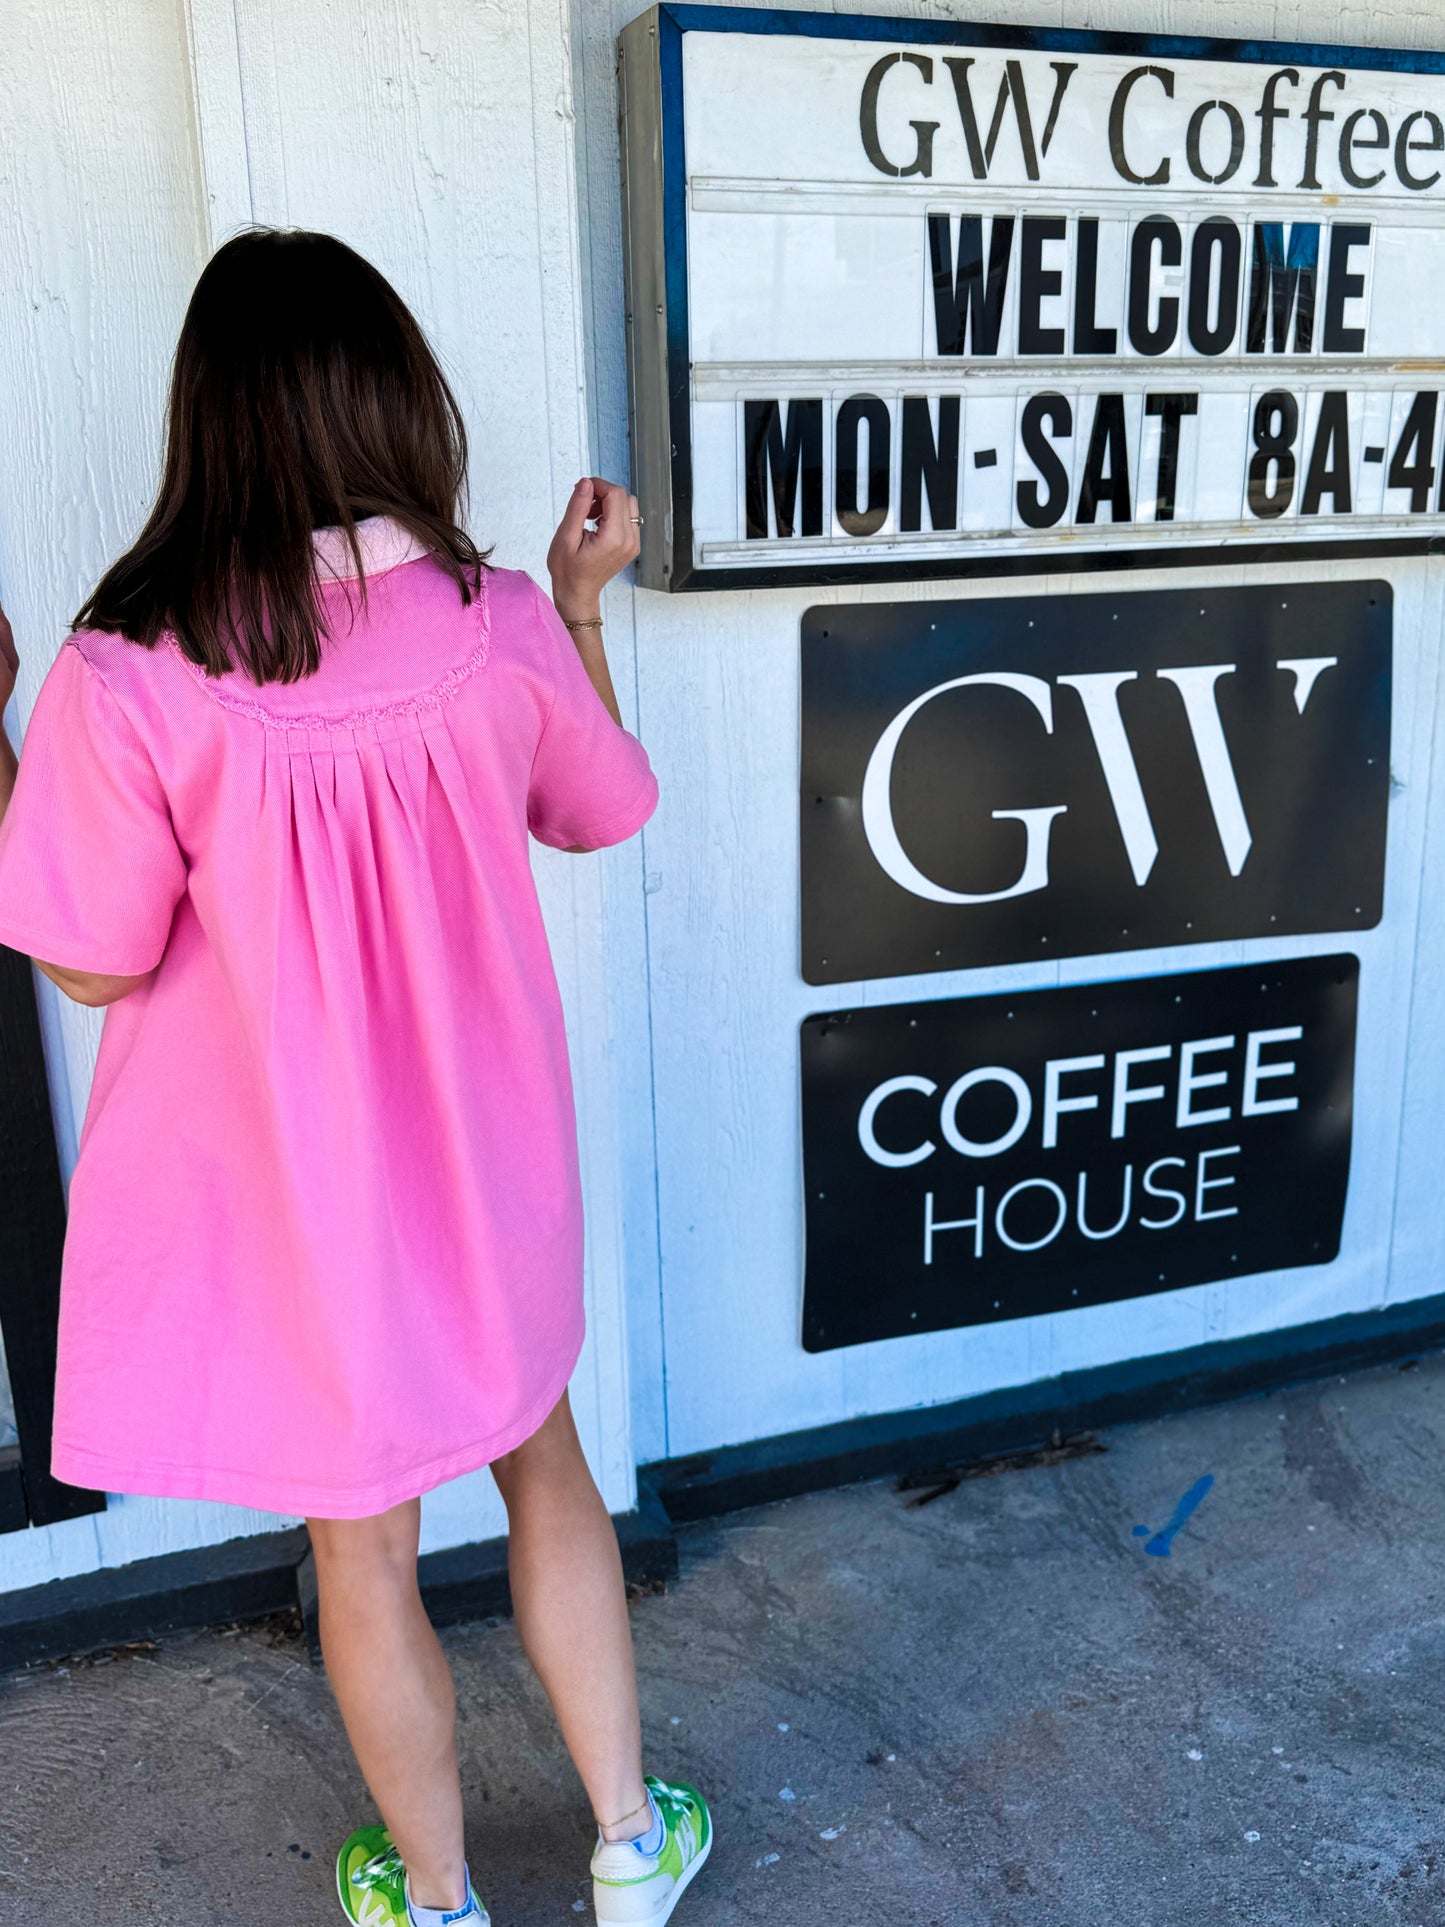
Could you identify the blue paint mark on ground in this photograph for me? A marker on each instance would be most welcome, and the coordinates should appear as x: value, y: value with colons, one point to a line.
x: 1160, y: 1542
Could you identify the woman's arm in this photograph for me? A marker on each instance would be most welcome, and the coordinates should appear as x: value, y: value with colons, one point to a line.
x: 87, y: 987
x: 84, y: 986
x: 582, y: 561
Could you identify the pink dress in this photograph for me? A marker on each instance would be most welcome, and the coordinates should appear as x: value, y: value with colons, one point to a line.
x: 325, y: 1237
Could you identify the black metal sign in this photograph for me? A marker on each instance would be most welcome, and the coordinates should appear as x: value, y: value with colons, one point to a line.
x: 974, y: 1159
x: 1001, y: 781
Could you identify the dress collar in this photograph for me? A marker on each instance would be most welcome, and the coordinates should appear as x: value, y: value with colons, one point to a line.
x: 384, y: 544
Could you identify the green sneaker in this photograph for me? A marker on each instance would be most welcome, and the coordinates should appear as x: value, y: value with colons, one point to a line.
x: 371, y: 1884
x: 631, y: 1888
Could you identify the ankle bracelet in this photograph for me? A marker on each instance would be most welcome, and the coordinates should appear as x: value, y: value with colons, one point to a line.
x: 639, y: 1808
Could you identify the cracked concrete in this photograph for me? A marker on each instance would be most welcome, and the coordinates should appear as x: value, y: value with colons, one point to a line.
x: 992, y: 1709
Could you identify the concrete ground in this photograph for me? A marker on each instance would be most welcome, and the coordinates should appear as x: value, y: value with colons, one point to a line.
x: 1021, y: 1704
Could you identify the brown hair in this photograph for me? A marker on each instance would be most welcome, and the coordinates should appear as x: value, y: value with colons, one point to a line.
x: 303, y: 395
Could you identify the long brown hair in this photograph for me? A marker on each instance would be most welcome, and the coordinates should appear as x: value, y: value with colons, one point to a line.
x: 303, y: 395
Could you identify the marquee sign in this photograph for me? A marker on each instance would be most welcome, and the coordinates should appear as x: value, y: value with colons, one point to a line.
x: 975, y: 1159
x: 912, y: 298
x: 1014, y: 779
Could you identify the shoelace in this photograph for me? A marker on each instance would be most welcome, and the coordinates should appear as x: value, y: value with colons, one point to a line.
x: 384, y: 1869
x: 674, y: 1803
x: 677, y: 1816
x: 381, y: 1869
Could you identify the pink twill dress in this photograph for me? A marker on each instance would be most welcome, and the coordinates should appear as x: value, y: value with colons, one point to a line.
x: 324, y: 1248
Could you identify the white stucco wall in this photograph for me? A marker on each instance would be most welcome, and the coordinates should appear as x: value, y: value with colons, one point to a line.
x: 471, y: 151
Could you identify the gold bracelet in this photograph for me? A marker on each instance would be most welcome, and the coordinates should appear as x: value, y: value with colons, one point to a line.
x: 583, y: 622
x: 605, y: 1824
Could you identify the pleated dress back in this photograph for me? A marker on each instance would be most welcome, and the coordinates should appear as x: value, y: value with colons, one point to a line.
x: 325, y: 1235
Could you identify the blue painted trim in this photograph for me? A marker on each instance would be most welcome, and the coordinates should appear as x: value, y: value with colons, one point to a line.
x: 1069, y: 40
x: 674, y: 231
x: 673, y: 21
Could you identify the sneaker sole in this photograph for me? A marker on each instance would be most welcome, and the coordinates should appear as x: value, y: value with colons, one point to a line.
x: 690, y: 1874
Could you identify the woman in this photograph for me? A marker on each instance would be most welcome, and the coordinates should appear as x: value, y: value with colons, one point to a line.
x: 325, y: 1237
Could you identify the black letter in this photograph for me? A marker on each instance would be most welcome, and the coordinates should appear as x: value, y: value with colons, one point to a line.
x: 1089, y: 337
x: 1267, y: 114
x: 980, y: 153
x: 1108, y: 442
x: 929, y: 465
x: 851, y: 519
x: 1158, y: 228
x: 1314, y: 114
x: 1041, y: 511
x: 1278, y: 281
x: 1410, y: 465
x: 1342, y: 286
x: 1273, y: 448
x: 1348, y: 144
x: 1214, y: 234
x: 1329, y: 469
x: 794, y: 460
x: 1236, y: 141
x: 1116, y: 125
x: 1036, y: 282
x: 1404, y: 147
x: 922, y: 162
x: 966, y: 298
x: 1171, y: 409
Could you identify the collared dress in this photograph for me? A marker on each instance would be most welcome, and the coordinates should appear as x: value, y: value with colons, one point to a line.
x: 324, y: 1248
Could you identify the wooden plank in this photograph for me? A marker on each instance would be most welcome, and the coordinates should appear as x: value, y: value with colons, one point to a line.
x: 244, y: 1578
x: 220, y: 117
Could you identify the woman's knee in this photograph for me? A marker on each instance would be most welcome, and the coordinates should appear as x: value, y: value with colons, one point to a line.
x: 553, y: 1451
x: 382, y: 1548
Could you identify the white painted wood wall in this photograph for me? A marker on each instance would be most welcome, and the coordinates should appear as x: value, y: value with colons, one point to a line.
x: 471, y: 152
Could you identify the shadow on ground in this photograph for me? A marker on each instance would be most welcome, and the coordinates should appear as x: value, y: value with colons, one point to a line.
x: 1007, y: 1707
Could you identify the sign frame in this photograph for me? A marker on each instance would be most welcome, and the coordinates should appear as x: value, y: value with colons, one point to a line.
x: 656, y: 280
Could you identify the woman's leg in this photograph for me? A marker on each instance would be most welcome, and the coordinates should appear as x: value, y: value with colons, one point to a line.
x: 394, y: 1688
x: 571, y: 1609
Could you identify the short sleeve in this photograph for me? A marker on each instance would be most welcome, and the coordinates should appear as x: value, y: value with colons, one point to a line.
x: 591, y: 781
x: 90, y: 871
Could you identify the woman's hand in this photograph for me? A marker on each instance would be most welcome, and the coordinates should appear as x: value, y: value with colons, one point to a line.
x: 9, y: 661
x: 9, y: 664
x: 581, y: 561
